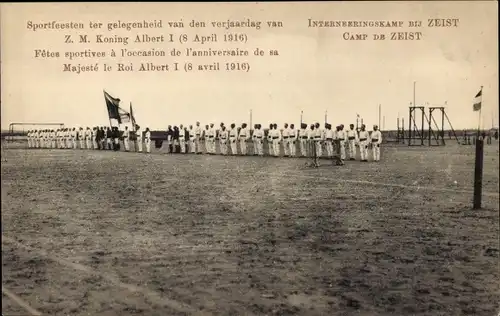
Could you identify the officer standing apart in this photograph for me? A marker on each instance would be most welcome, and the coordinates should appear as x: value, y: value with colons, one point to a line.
x: 363, y: 143
x: 376, y: 140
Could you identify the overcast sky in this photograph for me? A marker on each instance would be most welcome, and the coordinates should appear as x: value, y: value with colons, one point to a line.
x: 316, y: 71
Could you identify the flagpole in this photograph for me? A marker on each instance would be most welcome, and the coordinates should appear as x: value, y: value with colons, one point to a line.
x: 479, y: 117
x: 301, y: 113
x: 326, y: 116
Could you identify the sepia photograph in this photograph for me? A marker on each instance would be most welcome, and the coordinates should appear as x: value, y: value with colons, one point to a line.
x: 250, y: 158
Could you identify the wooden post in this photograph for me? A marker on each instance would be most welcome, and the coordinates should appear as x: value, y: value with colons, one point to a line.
x: 478, y: 173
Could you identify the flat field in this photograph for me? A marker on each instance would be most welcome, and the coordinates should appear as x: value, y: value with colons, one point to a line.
x: 113, y: 233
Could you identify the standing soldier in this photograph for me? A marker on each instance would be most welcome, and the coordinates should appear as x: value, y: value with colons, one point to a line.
x: 53, y: 138
x: 341, y: 141
x: 318, y: 137
x: 259, y: 139
x: 292, y: 140
x: 223, y: 135
x: 243, y: 136
x: 81, y: 138
x: 126, y: 139
x: 233, y: 135
x: 303, y: 136
x: 73, y: 138
x: 138, y: 133
x: 147, y: 140
x: 182, y: 139
x: 329, y: 140
x: 286, y: 142
x: 197, y: 134
x: 204, y: 138
x: 109, y: 139
x: 363, y: 143
x: 376, y: 140
x: 28, y: 136
x: 88, y: 138
x: 254, y: 139
x: 93, y: 135
x: 170, y: 139
x: 210, y: 142
x: 352, y: 137
x: 192, y: 139
x: 276, y: 135
x: 270, y: 140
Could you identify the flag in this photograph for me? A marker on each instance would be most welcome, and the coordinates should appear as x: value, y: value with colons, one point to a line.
x: 478, y: 100
x: 114, y: 110
x: 112, y: 105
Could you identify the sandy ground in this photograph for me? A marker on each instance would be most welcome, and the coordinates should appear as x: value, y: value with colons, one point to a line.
x: 111, y: 233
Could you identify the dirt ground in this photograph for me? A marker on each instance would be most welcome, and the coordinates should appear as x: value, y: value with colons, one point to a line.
x: 112, y: 233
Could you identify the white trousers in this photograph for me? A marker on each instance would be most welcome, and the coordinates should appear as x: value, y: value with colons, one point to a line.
x: 243, y: 146
x: 293, y: 147
x: 363, y: 149
x: 352, y: 148
x: 94, y: 143
x: 126, y: 144
x: 148, y: 145
x: 329, y: 148
x: 286, y: 146
x: 303, y: 147
x: 342, y: 149
x: 319, y: 149
x: 139, y: 145
x: 260, y: 147
x: 376, y: 151
x: 223, y: 147
x: 192, y: 145
x: 255, y: 146
x: 276, y: 147
x: 182, y: 143
x: 234, y: 147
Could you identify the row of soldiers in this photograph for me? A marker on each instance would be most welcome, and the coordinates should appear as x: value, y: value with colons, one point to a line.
x: 333, y: 141
x: 100, y: 138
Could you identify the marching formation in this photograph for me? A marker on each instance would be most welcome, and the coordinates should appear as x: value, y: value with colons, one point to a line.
x: 310, y: 141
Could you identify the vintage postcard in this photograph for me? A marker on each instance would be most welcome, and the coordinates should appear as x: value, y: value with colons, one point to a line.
x: 250, y: 158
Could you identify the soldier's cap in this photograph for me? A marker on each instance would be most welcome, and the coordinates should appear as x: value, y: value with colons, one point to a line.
x: 351, y: 125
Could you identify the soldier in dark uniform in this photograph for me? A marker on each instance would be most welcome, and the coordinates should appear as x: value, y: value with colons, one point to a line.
x: 170, y: 139
x: 109, y: 138
x: 175, y: 138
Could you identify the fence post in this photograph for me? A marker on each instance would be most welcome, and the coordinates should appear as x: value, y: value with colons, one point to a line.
x: 478, y: 173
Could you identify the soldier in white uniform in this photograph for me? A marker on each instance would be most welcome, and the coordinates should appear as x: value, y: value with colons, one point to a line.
x: 363, y: 143
x: 192, y: 140
x: 259, y: 139
x: 276, y: 134
x: 292, y: 140
x: 318, y: 138
x: 138, y: 135
x: 126, y: 139
x: 341, y: 141
x: 233, y: 135
x: 210, y: 140
x: 254, y: 141
x: 329, y: 140
x: 303, y: 138
x: 88, y: 138
x: 286, y: 140
x: 28, y: 137
x: 147, y: 140
x: 376, y: 140
x: 223, y: 137
x: 182, y: 138
x: 352, y: 137
x: 270, y: 140
x: 93, y: 137
x: 197, y: 138
x: 53, y: 139
x: 72, y: 137
x: 243, y: 137
x: 81, y: 138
